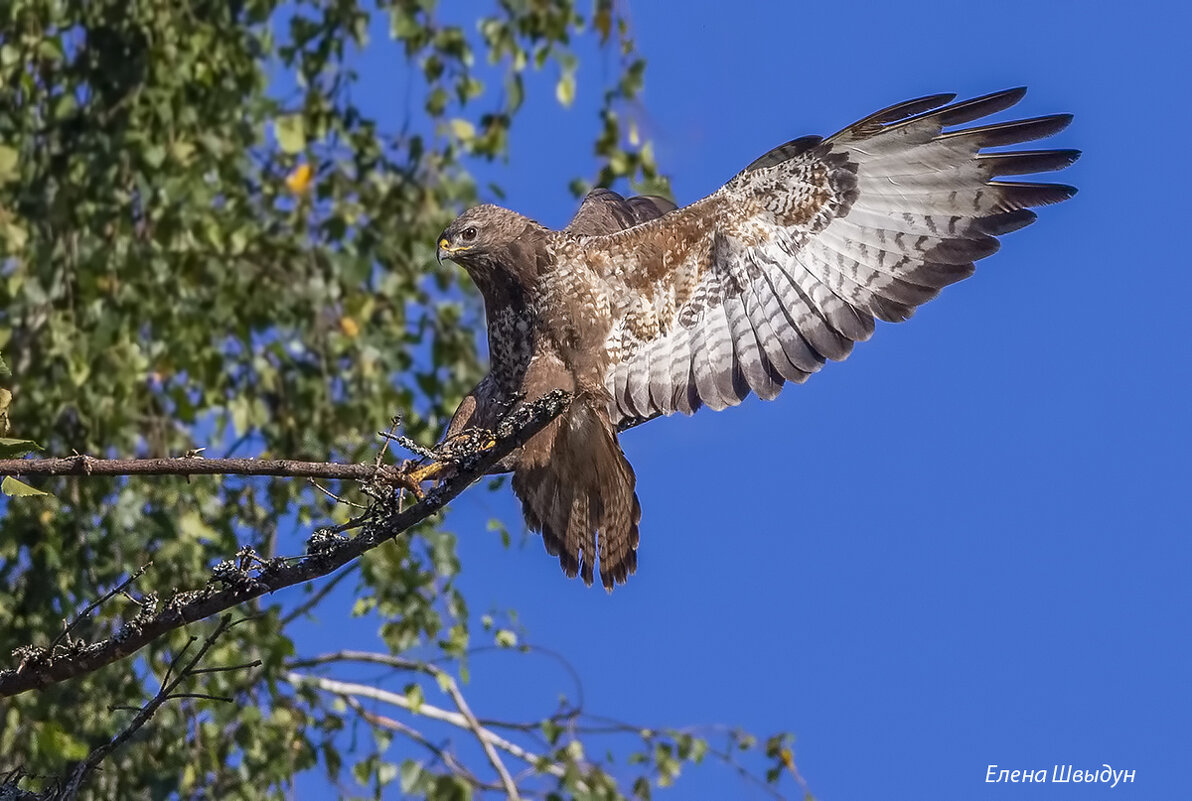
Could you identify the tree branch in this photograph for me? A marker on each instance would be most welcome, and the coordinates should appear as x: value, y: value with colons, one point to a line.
x: 82, y: 465
x: 347, y: 688
x: 232, y: 584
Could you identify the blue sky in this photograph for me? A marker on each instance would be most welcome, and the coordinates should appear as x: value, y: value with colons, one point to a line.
x: 969, y: 543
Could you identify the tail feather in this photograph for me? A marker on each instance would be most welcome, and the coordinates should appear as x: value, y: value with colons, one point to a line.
x: 577, y: 488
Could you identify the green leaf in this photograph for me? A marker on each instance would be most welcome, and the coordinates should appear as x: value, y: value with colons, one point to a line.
x: 386, y: 773
x: 53, y: 738
x: 16, y: 448
x: 14, y: 234
x: 565, y: 89
x: 18, y: 489
x: 463, y: 130
x: 191, y: 526
x: 154, y: 155
x: 415, y: 697
x: 9, y: 162
x: 411, y: 776
x: 291, y: 133
x: 449, y: 788
x: 443, y: 680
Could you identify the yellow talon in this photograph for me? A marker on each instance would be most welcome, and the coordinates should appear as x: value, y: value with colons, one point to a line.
x: 427, y: 472
x: 412, y: 476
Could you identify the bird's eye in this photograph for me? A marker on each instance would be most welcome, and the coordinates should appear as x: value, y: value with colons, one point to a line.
x: 468, y: 234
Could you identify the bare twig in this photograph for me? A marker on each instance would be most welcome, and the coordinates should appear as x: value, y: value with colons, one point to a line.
x: 332, y: 496
x: 394, y: 424
x: 230, y: 584
x: 91, y: 607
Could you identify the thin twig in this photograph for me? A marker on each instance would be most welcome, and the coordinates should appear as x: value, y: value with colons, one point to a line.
x: 335, y: 497
x: 227, y: 668
x: 394, y: 424
x: 91, y: 607
x: 205, y: 696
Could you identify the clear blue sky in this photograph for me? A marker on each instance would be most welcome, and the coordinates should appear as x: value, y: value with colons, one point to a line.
x: 969, y: 543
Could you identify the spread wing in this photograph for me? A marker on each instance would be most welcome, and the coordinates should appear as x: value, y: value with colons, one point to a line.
x: 790, y: 262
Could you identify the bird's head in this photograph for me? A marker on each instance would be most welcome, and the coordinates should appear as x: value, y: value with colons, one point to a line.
x: 480, y: 237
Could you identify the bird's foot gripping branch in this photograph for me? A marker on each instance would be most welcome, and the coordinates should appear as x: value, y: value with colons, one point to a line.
x: 445, y: 459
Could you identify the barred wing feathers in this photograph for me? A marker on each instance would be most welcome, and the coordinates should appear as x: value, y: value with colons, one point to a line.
x: 790, y: 263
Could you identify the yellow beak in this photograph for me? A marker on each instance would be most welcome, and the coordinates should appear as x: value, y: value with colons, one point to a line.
x: 445, y: 249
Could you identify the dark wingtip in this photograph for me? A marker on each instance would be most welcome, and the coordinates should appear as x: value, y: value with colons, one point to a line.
x: 909, y: 108
x: 1057, y: 123
x: 1027, y: 162
x: 998, y: 224
x: 1023, y: 194
x: 977, y: 107
x: 1012, y: 95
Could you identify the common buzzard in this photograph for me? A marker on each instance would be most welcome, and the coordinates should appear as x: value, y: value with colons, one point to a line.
x: 641, y: 309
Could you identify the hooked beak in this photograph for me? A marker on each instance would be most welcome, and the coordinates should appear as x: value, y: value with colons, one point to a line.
x: 446, y: 250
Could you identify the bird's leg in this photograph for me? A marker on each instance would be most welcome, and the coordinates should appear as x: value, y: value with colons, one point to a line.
x: 433, y: 470
x: 445, y: 457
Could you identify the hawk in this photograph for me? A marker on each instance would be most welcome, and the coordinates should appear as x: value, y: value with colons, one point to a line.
x: 641, y: 309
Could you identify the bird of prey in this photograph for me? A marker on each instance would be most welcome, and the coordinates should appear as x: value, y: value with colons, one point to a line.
x: 640, y: 309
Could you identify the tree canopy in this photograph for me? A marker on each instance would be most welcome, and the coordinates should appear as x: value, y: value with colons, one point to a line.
x: 207, y: 242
